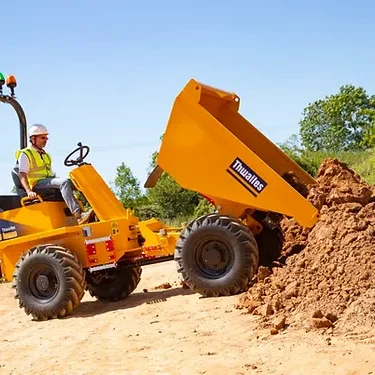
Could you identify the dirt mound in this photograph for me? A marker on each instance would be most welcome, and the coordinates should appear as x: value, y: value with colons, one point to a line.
x: 329, y: 268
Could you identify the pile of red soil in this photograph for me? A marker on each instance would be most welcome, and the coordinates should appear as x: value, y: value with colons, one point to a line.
x: 329, y: 269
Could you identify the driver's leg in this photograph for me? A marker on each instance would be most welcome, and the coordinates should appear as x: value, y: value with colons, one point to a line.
x: 66, y: 188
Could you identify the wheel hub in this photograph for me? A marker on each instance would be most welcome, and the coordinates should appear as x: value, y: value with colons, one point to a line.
x: 42, y: 283
x: 212, y: 257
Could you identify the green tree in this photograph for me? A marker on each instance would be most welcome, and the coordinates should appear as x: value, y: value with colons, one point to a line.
x: 341, y: 122
x: 292, y: 147
x: 172, y: 201
x: 127, y: 188
x: 204, y: 207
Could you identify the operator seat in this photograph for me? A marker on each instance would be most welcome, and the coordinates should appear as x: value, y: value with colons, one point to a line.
x: 51, y: 194
x: 12, y: 201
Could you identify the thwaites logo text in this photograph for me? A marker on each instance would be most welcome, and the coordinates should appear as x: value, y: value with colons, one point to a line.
x: 246, y: 176
x: 8, y: 232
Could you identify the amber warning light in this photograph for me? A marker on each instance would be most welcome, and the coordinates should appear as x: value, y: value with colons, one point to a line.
x: 10, y: 81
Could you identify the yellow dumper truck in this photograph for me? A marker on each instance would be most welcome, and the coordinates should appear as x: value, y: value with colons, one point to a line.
x: 207, y: 147
x: 210, y: 148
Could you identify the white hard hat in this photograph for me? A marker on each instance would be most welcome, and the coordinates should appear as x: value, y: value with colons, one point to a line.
x: 37, y: 129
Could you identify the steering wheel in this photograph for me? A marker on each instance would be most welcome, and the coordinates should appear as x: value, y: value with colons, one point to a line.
x: 80, y: 158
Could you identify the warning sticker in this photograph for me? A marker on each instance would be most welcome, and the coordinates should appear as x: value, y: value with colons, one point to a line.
x: 114, y: 227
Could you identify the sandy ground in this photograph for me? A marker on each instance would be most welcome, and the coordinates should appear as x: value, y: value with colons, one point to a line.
x: 168, y: 332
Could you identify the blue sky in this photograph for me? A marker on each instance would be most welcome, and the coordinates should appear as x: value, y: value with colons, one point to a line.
x: 106, y: 73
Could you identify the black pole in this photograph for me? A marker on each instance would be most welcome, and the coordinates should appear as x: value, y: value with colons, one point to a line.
x: 21, y: 118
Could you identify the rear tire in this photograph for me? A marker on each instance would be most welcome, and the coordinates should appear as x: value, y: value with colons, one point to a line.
x: 216, y: 256
x: 270, y: 245
x: 49, y: 282
x: 113, y: 284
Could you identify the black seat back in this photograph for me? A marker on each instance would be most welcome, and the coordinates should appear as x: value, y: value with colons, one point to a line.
x: 20, y: 191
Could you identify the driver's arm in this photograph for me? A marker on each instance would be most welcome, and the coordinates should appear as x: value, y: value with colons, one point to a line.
x: 25, y: 182
x: 24, y: 166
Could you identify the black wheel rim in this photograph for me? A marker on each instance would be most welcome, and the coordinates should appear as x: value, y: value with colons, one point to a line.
x: 213, y: 257
x: 43, y: 282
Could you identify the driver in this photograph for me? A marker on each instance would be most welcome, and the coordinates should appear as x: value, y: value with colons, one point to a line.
x: 36, y: 173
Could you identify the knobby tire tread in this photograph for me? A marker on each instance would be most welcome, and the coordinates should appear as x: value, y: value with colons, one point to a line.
x: 72, y: 272
x: 243, y: 235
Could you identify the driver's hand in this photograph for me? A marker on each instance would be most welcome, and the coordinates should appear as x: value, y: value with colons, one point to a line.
x: 31, y: 195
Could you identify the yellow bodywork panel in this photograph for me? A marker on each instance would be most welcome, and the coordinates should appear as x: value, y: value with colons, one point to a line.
x: 97, y: 192
x: 39, y: 217
x: 210, y: 148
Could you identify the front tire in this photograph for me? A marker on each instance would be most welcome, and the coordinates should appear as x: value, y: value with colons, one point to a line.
x: 49, y: 282
x: 113, y: 284
x: 216, y: 256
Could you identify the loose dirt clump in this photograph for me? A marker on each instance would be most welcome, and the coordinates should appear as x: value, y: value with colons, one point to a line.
x: 166, y: 285
x: 327, y: 270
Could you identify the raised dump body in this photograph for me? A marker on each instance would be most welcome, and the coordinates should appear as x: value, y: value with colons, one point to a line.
x: 209, y: 147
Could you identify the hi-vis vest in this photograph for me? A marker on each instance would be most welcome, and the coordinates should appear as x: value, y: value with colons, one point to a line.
x: 40, y: 168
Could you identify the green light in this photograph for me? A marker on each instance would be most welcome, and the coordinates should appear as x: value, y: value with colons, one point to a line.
x: 2, y: 79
